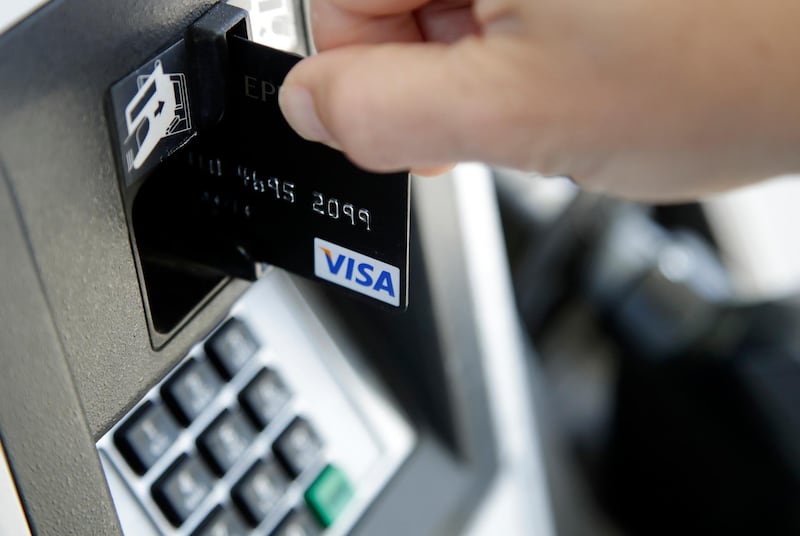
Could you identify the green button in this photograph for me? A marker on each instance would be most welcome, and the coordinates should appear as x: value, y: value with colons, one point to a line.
x: 328, y: 495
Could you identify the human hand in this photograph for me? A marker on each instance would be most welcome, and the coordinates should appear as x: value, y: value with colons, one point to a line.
x: 656, y: 100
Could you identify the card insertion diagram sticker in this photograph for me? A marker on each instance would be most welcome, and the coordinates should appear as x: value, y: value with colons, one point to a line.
x: 152, y: 112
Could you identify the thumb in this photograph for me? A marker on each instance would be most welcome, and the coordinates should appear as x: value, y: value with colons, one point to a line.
x: 396, y: 106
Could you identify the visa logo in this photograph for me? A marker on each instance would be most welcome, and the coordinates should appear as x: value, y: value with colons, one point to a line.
x: 357, y: 272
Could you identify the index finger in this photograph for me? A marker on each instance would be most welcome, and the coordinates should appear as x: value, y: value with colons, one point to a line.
x: 337, y: 23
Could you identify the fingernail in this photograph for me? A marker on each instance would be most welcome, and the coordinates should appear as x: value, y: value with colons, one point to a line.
x: 298, y: 107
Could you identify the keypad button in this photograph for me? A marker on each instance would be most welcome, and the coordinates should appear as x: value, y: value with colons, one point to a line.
x: 259, y: 490
x: 191, y: 389
x: 225, y: 440
x: 329, y: 495
x: 146, y: 435
x: 182, y: 488
x: 298, y: 523
x: 264, y: 397
x: 222, y: 522
x: 298, y: 447
x: 231, y: 347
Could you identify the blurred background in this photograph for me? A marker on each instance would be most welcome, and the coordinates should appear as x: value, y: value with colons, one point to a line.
x: 666, y: 366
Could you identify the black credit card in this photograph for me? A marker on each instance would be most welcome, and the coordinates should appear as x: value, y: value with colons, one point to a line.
x: 251, y: 190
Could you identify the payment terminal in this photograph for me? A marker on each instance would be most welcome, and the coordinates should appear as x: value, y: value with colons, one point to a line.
x: 211, y: 327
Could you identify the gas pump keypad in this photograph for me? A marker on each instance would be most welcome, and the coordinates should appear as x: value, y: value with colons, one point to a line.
x: 252, y: 433
x: 183, y: 487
